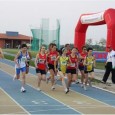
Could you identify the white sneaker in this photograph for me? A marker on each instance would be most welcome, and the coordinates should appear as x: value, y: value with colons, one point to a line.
x: 77, y: 81
x: 66, y: 91
x: 52, y: 88
x: 38, y: 89
x: 23, y: 89
x: 85, y: 87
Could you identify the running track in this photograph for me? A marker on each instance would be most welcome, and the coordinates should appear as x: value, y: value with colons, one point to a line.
x: 35, y: 102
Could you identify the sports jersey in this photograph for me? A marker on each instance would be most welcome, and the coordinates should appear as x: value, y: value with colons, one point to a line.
x: 90, y: 61
x: 68, y: 52
x: 41, y: 64
x: 63, y: 63
x: 21, y: 60
x: 81, y: 61
x: 73, y: 62
x: 52, y: 56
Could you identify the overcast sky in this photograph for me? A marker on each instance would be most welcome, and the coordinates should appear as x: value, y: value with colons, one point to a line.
x: 19, y: 15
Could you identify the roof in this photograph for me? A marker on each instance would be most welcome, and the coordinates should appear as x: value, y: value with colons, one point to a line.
x: 19, y: 37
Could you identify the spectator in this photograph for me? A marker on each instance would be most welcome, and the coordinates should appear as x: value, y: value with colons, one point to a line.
x: 110, y: 65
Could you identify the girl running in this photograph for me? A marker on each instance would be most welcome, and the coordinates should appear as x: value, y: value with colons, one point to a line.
x: 53, y: 54
x: 63, y: 61
x: 81, y: 66
x: 89, y: 63
x: 71, y: 69
x: 41, y: 64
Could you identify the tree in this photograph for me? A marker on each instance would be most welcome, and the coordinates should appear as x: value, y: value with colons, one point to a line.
x: 89, y: 42
x: 102, y: 42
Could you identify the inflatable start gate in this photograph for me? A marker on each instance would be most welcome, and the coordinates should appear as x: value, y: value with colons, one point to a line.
x: 106, y: 17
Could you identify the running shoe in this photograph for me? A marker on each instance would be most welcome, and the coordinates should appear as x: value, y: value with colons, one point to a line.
x: 52, y: 88
x: 23, y: 89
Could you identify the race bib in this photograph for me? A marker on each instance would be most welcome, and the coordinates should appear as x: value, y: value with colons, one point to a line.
x: 63, y: 63
x: 41, y: 61
x: 23, y: 59
x: 53, y: 58
x: 72, y: 65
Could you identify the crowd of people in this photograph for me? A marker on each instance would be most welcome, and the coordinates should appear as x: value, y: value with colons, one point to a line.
x: 64, y: 64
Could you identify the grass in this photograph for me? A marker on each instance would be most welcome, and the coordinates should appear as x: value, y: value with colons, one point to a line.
x: 15, y: 51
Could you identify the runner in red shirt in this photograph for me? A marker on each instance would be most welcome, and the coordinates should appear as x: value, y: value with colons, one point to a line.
x: 53, y: 54
x: 83, y: 54
x: 67, y: 46
x: 41, y: 65
x: 71, y: 69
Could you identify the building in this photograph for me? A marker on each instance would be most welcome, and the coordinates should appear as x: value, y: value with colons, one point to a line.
x: 13, y: 39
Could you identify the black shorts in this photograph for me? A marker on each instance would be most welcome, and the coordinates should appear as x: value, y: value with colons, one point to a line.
x: 89, y: 71
x: 40, y: 71
x: 72, y: 71
x: 81, y: 68
x: 51, y: 66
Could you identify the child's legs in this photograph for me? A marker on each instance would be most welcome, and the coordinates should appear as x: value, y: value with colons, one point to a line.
x: 18, y: 73
x: 23, y: 70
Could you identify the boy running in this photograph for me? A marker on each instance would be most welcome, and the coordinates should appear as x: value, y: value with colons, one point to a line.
x: 20, y: 65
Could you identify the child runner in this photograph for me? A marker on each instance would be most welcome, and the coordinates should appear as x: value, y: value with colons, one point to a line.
x: 29, y: 57
x: 71, y: 69
x: 20, y: 65
x: 63, y: 61
x: 53, y: 54
x: 89, y: 63
x: 47, y: 52
x: 83, y: 54
x: 67, y: 46
x: 41, y: 64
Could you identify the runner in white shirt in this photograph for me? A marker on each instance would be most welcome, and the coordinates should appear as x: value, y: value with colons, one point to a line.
x: 20, y: 64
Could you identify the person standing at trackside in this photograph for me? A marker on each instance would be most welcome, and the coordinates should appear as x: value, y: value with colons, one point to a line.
x: 52, y: 55
x: 20, y: 65
x: 89, y: 64
x: 63, y: 61
x: 41, y: 65
x: 83, y: 54
x: 110, y: 65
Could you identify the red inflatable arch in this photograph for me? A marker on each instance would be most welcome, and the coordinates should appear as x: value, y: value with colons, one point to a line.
x: 106, y: 17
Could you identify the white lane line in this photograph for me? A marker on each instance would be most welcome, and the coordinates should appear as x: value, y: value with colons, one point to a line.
x: 46, y: 94
x: 78, y: 93
x: 15, y: 101
x: 92, y: 85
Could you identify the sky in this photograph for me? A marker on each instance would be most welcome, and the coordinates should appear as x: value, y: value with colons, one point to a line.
x: 21, y: 15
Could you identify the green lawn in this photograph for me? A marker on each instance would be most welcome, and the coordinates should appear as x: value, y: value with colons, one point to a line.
x: 15, y: 51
